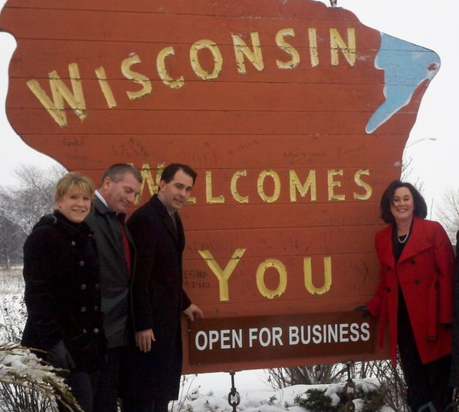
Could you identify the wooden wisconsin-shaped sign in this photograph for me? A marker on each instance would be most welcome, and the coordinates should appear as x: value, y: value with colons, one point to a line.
x: 295, y: 117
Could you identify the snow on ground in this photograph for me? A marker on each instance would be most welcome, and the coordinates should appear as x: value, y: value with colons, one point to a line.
x: 209, y: 393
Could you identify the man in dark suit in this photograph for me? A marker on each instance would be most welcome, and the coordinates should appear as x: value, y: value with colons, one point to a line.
x: 152, y: 375
x: 119, y: 187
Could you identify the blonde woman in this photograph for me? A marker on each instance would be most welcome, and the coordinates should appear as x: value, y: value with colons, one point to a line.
x: 62, y: 295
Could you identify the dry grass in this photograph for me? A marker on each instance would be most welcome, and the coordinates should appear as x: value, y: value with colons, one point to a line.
x: 12, y: 308
x: 11, y: 282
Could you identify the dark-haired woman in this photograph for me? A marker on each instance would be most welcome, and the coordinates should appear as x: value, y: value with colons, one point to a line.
x: 414, y: 297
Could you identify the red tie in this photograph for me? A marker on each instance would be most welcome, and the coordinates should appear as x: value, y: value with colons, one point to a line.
x: 127, y: 249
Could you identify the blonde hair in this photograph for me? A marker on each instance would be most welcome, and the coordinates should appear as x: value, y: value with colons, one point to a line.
x: 71, y: 179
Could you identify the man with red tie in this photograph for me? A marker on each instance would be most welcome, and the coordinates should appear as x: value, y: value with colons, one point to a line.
x: 118, y: 190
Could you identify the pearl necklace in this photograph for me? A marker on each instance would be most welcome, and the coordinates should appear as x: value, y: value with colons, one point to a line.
x: 404, y: 240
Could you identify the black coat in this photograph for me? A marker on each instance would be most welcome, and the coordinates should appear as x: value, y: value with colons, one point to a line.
x: 62, y: 295
x: 158, y: 302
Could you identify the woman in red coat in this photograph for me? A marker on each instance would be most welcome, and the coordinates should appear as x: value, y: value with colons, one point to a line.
x: 414, y: 297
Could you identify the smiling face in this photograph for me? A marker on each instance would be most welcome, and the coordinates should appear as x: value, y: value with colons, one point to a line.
x: 177, y: 192
x: 75, y: 205
x: 120, y: 196
x: 402, y: 206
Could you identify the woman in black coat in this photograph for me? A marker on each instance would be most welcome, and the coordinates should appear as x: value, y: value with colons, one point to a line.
x: 62, y: 295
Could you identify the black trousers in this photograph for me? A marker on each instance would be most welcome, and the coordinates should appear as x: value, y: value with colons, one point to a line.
x: 426, y: 382
x: 106, y: 393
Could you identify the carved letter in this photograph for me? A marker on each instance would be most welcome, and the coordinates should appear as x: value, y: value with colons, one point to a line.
x: 362, y: 184
x: 60, y: 93
x: 332, y: 184
x: 136, y: 77
x: 327, y: 276
x: 209, y: 197
x: 162, y: 71
x: 234, y: 179
x: 223, y: 275
x: 277, y: 186
x: 196, y: 65
x: 105, y: 87
x: 288, y: 48
x: 337, y: 42
x: 310, y: 184
x: 262, y: 288
x: 241, y: 49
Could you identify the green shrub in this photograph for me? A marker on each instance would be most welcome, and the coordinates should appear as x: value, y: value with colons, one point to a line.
x: 317, y: 401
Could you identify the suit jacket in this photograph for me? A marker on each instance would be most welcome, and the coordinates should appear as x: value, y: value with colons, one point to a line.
x: 425, y: 273
x: 115, y: 274
x: 158, y: 301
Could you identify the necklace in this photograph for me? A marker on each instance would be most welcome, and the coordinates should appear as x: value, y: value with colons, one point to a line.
x: 405, y: 238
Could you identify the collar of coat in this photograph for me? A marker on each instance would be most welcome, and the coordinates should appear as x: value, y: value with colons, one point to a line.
x: 177, y: 233
x: 102, y: 209
x: 162, y: 210
x: 418, y: 241
x: 59, y: 220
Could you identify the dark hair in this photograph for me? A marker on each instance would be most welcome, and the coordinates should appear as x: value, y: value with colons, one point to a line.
x: 170, y: 171
x: 117, y: 171
x: 387, y: 199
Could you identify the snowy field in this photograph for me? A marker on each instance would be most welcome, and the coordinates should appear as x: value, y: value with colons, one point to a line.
x: 204, y: 392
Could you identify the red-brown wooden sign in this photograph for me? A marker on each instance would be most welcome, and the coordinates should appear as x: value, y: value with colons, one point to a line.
x: 295, y: 116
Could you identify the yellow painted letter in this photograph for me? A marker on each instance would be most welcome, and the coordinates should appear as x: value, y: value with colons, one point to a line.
x: 196, y: 65
x: 310, y: 184
x: 362, y: 184
x: 337, y: 42
x: 277, y: 186
x: 209, y: 197
x: 241, y: 49
x: 223, y: 275
x: 332, y: 184
x: 289, y: 49
x: 308, y: 282
x: 162, y: 71
x: 60, y: 93
x: 147, y: 177
x: 105, y: 87
x: 144, y: 81
x: 235, y: 193
x: 313, y: 49
x: 262, y: 288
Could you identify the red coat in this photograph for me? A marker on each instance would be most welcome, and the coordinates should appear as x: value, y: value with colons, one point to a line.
x: 425, y: 272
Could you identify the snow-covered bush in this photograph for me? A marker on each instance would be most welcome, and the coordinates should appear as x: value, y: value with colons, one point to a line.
x: 335, y: 397
x: 27, y: 384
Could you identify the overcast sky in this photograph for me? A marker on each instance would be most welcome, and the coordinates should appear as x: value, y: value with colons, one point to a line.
x: 434, y: 143
x: 432, y: 24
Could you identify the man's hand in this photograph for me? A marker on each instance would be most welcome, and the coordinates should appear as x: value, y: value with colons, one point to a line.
x: 143, y: 339
x: 193, y: 312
